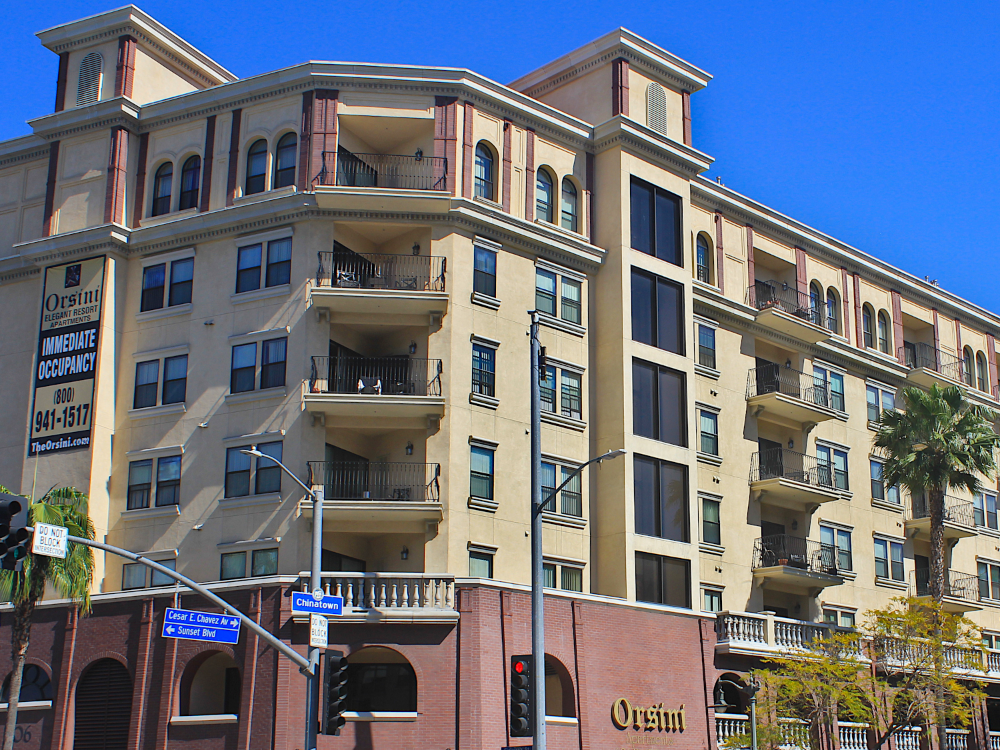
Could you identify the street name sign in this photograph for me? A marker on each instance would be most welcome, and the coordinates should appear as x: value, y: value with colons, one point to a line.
x: 306, y: 603
x: 49, y: 540
x: 201, y: 626
x: 319, y: 631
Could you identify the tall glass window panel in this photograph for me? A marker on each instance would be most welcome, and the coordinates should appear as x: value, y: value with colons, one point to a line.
x: 484, y: 183
x: 985, y: 510
x: 264, y: 562
x: 657, y: 312
x: 545, y: 292
x: 569, y: 206
x: 571, y: 579
x: 248, y: 268
x: 883, y: 333
x: 641, y: 217
x: 153, y: 278
x: 548, y: 482
x: 836, y: 543
x: 866, y: 327
x: 702, y: 260
x: 543, y: 195
x: 284, y: 161
x: 571, y: 296
x: 168, y: 480
x: 156, y: 578
x: 656, y: 222
x: 484, y: 277
x: 881, y: 558
x: 140, y: 481
x: 672, y: 410
x: 571, y: 500
x: 710, y: 433
x: 989, y: 582
x: 871, y: 396
x: 162, y: 186
x: 572, y: 395
x: 234, y: 565
x: 658, y: 403
x: 279, y: 262
x: 835, y: 464
x: 256, y: 175
x: 175, y: 379
x: 832, y: 312
x: 711, y: 527
x: 190, y: 182
x: 244, y: 361
x: 706, y: 346
x: 662, y: 580
x: 237, y: 472
x: 483, y: 362
x: 981, y: 372
x: 272, y: 363
x: 549, y: 575
x: 268, y: 477
x: 147, y: 376
x: 181, y: 281
x: 878, y: 486
x: 660, y: 499
x: 896, y: 560
x: 548, y: 390
x: 481, y: 475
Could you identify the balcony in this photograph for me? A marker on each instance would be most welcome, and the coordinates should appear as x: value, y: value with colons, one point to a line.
x: 422, y: 598
x: 791, y: 398
x: 959, y: 518
x: 383, y: 182
x: 395, y: 497
x: 927, y: 365
x: 380, y: 289
x: 782, y: 477
x: 961, y: 590
x: 787, y: 563
x: 758, y: 634
x: 384, y: 392
x: 788, y: 311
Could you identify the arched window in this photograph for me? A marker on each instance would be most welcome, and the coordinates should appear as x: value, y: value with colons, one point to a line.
x: 832, y: 310
x: 256, y: 167
x: 656, y: 108
x: 88, y: 89
x: 884, y: 337
x: 866, y: 326
x: 162, y: 186
x: 284, y: 162
x: 543, y: 195
x: 967, y: 366
x: 703, y: 259
x: 485, y: 184
x: 190, y: 182
x: 816, y: 303
x: 569, y: 205
x: 380, y: 679
x: 981, y: 374
x: 35, y: 685
x: 211, y: 685
x: 103, y: 707
x: 559, y: 699
x: 726, y: 693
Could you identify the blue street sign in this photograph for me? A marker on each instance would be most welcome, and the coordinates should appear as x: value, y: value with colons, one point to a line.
x: 201, y: 626
x: 306, y: 603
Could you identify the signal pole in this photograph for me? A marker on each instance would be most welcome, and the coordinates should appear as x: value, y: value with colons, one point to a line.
x: 537, y: 575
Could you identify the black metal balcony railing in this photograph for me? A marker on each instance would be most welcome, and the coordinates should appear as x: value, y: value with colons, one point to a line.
x: 955, y: 511
x: 798, y: 467
x: 772, y: 378
x: 423, y: 273
x: 381, y: 376
x: 777, y: 295
x: 399, y: 171
x: 795, y: 552
x: 917, y: 355
x: 391, y: 480
x: 956, y: 585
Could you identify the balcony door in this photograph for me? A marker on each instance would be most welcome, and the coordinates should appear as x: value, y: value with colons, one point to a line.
x: 338, y: 563
x: 770, y: 455
x: 922, y: 573
x: 346, y: 475
x: 352, y: 171
x: 351, y: 269
x: 767, y: 376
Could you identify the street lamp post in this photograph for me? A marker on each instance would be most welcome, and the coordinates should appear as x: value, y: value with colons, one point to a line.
x: 749, y: 691
x: 315, y: 582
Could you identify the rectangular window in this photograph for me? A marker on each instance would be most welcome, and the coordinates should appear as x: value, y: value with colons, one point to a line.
x: 153, y: 278
x: 272, y: 363
x: 839, y: 618
x: 133, y: 576
x: 656, y: 222
x: 888, y: 559
x: 545, y: 292
x: 147, y: 375
x: 879, y: 400
x: 242, y: 375
x: 480, y: 565
x: 836, y: 543
x: 706, y: 346
x: 181, y: 281
x: 657, y: 312
x: 157, y: 578
x: 548, y: 389
x: 711, y: 528
x: 264, y: 562
x: 712, y: 600
x: 483, y: 363
x: 571, y: 579
x: 549, y: 575
x: 484, y: 277
x: 985, y: 510
x: 175, y: 379
x: 140, y: 481
x: 660, y: 498
x: 833, y: 467
x: 879, y: 490
x: 481, y: 479
x: 659, y: 407
x: 279, y: 262
x: 237, y: 472
x: 168, y: 481
x: 571, y: 301
x: 572, y: 395
x: 662, y: 580
x: 571, y: 500
x: 828, y: 388
x: 989, y: 581
x: 268, y: 477
x: 548, y: 483
x: 709, y: 433
x: 234, y: 565
x: 248, y: 268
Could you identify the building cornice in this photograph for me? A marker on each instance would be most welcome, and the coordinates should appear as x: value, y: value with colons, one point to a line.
x: 25, y: 148
x: 624, y: 133
x: 118, y: 112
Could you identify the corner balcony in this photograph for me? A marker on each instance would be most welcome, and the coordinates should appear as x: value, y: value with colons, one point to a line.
x: 420, y: 598
x: 959, y: 518
x: 383, y: 182
x: 375, y: 393
x: 788, y: 563
x: 380, y: 289
x: 927, y: 365
x: 758, y: 634
x: 961, y: 590
x: 787, y: 479
x: 391, y: 496
x: 784, y: 309
x: 791, y: 398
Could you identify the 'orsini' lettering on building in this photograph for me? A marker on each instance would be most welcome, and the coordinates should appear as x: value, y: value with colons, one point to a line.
x: 647, y: 718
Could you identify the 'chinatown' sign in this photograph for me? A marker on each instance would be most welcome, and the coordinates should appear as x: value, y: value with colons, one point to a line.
x: 62, y: 411
x: 653, y: 718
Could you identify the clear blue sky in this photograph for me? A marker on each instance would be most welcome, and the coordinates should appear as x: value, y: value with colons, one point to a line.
x: 876, y: 122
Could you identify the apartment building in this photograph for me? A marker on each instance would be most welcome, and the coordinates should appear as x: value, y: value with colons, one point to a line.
x: 333, y: 265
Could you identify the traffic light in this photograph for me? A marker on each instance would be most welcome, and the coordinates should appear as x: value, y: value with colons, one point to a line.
x: 334, y: 693
x: 521, y: 697
x: 13, y: 534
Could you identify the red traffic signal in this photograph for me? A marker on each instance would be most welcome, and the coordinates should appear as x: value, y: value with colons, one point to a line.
x: 521, y: 697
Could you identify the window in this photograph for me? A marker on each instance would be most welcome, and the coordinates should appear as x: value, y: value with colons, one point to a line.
x: 234, y: 565
x: 481, y: 474
x: 237, y: 473
x: 879, y: 490
x: 146, y: 378
x: 248, y: 268
x: 241, y: 377
x: 88, y: 88
x: 238, y: 470
x: 485, y: 186
x: 660, y: 498
x: 967, y: 376
x: 879, y: 399
x: 990, y: 640
x: 480, y: 564
x: 866, y: 327
x: 888, y: 559
x: 140, y: 481
x: 545, y: 292
x: 272, y: 363
x: 279, y: 262
x: 162, y: 185
x: 284, y: 162
x: 181, y: 281
x: 570, y: 577
x: 662, y: 580
x: 656, y: 108
x: 175, y: 379
x: 548, y: 388
x: 985, y: 509
x: 190, y: 182
x: 981, y: 378
x: 571, y: 300
x: 277, y: 272
x: 153, y: 283
x: 836, y: 542
x: 709, y: 422
x: 816, y: 303
x: 256, y: 167
x: 828, y: 388
x: 832, y: 311
x: 158, y: 578
x: 703, y: 260
x: 571, y: 403
x: 989, y: 580
x: 569, y: 206
x: 711, y: 600
x: 884, y: 337
x: 268, y: 477
x: 36, y: 685
x: 152, y: 287
x: 657, y: 312
x: 658, y: 403
x: 711, y: 526
x: 840, y: 618
x: 656, y: 222
x: 835, y: 463
x: 571, y: 497
x: 543, y: 195
x: 264, y: 562
x: 168, y: 481
x: 133, y: 576
x: 706, y: 346
x: 483, y: 364
x: 484, y: 277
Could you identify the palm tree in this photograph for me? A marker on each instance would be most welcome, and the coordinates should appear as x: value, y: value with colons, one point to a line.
x: 71, y: 577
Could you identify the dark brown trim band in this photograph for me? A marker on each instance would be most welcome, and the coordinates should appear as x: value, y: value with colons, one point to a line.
x: 61, y: 82
x: 468, y: 148
x: 508, y: 132
x: 114, y: 192
x: 619, y: 87
x: 686, y: 116
x: 125, y: 69
x: 234, y: 156
x: 446, y: 137
x: 205, y: 199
